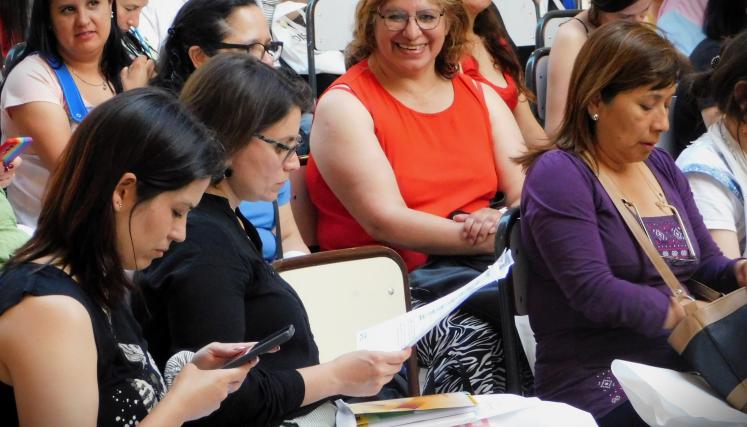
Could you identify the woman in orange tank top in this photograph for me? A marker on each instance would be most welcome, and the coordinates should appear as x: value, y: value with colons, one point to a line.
x: 408, y: 152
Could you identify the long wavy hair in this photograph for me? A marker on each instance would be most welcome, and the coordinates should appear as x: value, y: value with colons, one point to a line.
x: 144, y: 131
x: 447, y: 61
x: 489, y: 26
x: 618, y: 57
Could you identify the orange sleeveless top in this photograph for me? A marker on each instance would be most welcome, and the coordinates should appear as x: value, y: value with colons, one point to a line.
x: 443, y: 162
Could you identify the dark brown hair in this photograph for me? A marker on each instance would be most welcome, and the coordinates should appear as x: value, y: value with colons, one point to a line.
x: 447, y: 61
x: 144, y: 131
x: 606, y: 6
x: 489, y: 26
x: 238, y: 96
x: 618, y: 57
x: 720, y: 83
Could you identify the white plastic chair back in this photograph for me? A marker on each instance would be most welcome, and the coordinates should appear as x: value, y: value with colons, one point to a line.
x: 343, y: 296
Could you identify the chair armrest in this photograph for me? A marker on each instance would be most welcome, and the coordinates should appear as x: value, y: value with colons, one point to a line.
x: 503, y: 234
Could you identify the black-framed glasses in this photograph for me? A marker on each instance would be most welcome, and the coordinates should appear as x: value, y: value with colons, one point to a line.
x: 290, y: 148
x: 258, y: 50
x: 671, y: 259
x: 397, y: 20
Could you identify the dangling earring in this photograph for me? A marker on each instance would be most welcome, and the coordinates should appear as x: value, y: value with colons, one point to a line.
x: 595, y: 117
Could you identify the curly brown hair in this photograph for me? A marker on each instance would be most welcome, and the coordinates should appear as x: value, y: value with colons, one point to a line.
x: 447, y: 61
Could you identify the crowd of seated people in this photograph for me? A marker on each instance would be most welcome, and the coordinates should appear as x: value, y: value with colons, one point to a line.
x: 201, y: 29
x: 418, y: 146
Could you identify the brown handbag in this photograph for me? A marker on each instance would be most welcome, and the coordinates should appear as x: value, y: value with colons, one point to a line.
x: 713, y: 338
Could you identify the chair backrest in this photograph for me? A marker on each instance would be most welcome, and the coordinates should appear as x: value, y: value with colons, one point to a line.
x: 536, y: 81
x: 520, y: 18
x: 548, y: 25
x: 347, y: 290
x: 512, y: 293
x: 329, y: 26
x: 666, y: 139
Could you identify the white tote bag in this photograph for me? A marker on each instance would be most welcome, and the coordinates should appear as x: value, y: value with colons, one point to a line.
x: 289, y: 27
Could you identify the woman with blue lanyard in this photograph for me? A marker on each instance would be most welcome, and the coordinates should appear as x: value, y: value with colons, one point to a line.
x: 74, y: 61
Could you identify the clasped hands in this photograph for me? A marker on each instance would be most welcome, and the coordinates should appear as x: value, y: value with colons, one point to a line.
x: 479, y: 225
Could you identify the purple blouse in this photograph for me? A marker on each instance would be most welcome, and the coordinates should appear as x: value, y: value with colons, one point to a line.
x: 593, y: 294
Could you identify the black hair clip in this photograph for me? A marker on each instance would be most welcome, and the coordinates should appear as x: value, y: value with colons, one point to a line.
x: 715, y: 61
x: 171, y: 31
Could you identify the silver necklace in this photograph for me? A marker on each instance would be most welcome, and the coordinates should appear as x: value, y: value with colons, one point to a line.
x: 104, y: 85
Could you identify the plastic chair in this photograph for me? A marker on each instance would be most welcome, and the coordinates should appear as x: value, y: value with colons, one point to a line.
x: 548, y: 25
x: 536, y: 81
x: 512, y: 294
x: 329, y: 26
x: 347, y: 290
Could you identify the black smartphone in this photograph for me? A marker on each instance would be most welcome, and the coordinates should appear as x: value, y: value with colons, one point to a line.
x: 262, y: 347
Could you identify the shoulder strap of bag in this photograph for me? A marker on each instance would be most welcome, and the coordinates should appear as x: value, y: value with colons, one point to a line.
x: 75, y: 105
x: 648, y: 247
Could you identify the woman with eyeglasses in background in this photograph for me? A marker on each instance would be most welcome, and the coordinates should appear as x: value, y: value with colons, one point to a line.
x: 216, y: 285
x: 408, y: 152
x: 593, y: 294
x: 201, y: 29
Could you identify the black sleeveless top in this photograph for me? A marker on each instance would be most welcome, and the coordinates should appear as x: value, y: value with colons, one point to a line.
x: 130, y: 385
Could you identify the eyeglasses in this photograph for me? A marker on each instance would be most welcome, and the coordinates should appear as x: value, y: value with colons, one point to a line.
x: 257, y: 49
x: 281, y: 147
x: 671, y: 260
x: 397, y: 20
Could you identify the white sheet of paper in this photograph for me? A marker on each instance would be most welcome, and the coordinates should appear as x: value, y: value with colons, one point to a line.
x: 404, y: 331
x: 663, y: 397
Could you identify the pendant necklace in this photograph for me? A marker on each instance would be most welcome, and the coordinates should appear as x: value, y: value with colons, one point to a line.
x: 104, y: 85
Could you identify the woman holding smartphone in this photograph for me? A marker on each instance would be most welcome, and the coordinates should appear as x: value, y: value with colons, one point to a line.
x: 215, y: 286
x: 72, y: 354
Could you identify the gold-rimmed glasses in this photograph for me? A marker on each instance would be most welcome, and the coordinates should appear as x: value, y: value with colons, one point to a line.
x: 671, y: 260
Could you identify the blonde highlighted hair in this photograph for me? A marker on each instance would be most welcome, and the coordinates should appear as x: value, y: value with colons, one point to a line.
x: 447, y: 61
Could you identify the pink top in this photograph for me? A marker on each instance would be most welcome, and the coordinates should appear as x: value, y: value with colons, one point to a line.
x: 32, y: 80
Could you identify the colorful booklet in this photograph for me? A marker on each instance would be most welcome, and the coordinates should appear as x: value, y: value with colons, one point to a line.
x: 398, y: 412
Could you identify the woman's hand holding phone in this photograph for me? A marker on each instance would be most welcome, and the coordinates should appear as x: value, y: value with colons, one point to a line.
x: 215, y: 355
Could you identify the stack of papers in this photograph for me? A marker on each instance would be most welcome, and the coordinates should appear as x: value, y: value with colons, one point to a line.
x: 453, y: 408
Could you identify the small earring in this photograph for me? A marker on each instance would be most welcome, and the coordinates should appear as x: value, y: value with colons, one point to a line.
x: 228, y: 172
x: 595, y: 117
x: 120, y: 205
x: 112, y: 14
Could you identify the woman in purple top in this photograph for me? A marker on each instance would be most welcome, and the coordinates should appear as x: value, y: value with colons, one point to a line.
x: 593, y: 294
